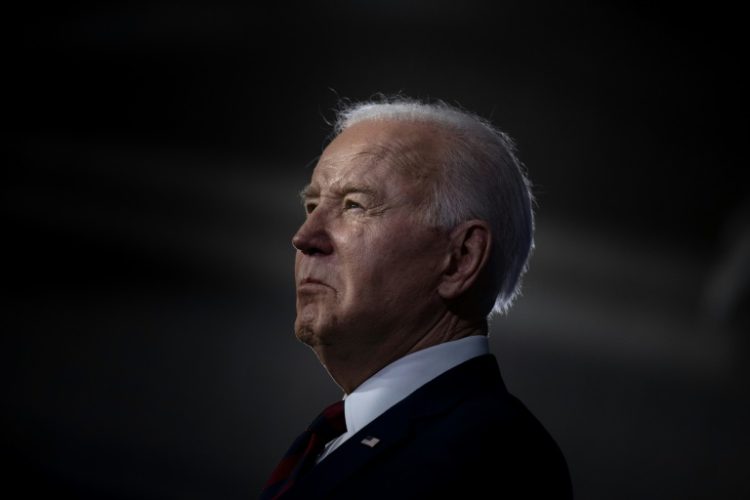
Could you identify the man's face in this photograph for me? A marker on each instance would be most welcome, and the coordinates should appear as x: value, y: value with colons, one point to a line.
x: 366, y: 267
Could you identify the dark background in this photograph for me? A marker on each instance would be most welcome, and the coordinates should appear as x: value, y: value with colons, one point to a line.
x: 151, y: 187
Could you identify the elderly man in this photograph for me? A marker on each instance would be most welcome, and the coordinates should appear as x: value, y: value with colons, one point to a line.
x: 419, y: 225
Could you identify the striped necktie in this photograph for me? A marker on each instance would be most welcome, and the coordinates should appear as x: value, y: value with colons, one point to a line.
x: 302, y: 454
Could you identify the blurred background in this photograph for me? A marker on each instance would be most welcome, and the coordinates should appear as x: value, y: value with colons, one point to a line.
x: 151, y: 195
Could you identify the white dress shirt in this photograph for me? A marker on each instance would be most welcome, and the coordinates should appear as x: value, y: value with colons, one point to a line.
x: 393, y: 383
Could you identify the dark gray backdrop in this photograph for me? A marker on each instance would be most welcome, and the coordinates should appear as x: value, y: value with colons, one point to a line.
x: 152, y: 195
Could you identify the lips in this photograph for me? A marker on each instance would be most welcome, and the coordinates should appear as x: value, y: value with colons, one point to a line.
x: 312, y: 283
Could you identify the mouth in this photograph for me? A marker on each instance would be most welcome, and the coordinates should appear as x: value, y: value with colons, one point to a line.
x: 311, y: 283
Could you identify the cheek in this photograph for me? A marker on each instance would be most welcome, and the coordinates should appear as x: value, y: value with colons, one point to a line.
x: 413, y: 268
x: 384, y: 263
x: 378, y: 273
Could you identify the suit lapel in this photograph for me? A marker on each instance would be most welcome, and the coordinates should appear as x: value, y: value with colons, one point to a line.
x: 388, y: 432
x: 393, y: 427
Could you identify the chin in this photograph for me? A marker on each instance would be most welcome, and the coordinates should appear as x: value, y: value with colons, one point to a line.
x: 306, y: 335
x: 312, y: 333
x: 308, y: 332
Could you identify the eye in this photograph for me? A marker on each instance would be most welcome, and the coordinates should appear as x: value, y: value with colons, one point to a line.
x: 309, y: 207
x: 349, y: 205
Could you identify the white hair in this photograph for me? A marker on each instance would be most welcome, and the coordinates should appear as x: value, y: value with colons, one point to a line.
x: 480, y: 177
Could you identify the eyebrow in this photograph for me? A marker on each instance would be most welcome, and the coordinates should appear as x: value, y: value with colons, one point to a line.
x: 311, y: 191
x: 308, y: 191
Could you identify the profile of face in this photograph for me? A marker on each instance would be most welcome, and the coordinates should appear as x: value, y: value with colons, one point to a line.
x: 367, y: 267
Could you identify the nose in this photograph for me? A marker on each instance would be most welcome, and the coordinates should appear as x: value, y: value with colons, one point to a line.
x: 312, y: 238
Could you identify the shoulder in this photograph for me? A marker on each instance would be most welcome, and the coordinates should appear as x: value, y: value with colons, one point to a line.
x: 495, y: 433
x: 484, y: 440
x: 484, y: 446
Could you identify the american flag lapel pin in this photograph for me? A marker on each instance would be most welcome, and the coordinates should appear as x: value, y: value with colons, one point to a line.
x: 370, y: 441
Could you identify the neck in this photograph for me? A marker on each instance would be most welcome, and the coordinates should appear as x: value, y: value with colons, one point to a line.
x: 350, y: 365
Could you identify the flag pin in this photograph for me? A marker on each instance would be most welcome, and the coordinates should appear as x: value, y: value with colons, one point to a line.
x: 370, y: 441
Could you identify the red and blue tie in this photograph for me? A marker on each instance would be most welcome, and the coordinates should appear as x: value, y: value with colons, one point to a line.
x: 302, y: 454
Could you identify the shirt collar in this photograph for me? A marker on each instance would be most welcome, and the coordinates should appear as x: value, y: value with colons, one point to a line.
x: 404, y: 376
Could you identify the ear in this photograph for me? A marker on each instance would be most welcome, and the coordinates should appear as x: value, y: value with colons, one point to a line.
x: 470, y: 244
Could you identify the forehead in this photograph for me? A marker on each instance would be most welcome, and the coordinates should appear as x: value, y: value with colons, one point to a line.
x: 378, y: 153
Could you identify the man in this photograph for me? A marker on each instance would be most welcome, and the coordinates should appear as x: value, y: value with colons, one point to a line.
x: 419, y: 224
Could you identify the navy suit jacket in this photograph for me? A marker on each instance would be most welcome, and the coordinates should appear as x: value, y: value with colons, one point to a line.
x: 461, y: 435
